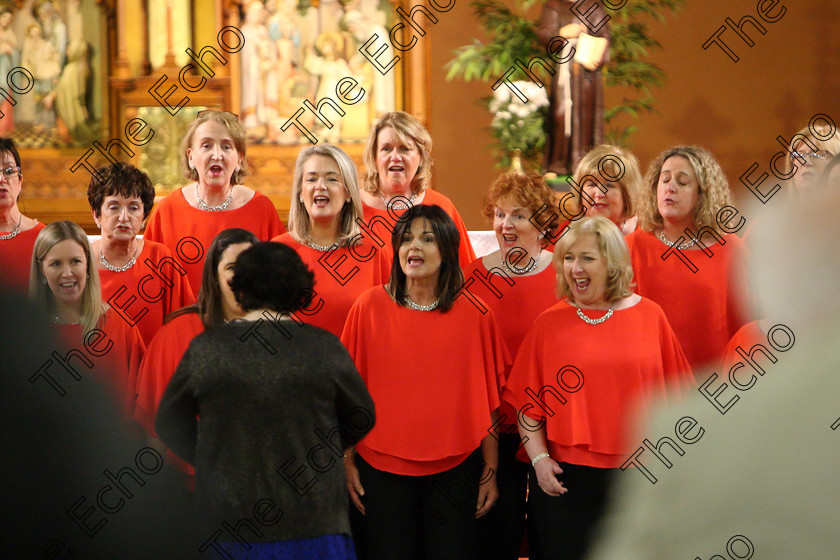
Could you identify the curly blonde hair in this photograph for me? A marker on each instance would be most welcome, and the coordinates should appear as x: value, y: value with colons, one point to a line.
x: 408, y: 129
x: 613, y: 164
x: 713, y: 188
x: 613, y: 248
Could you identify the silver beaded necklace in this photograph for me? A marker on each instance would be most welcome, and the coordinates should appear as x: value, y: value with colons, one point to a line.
x: 398, y: 205
x: 417, y: 307
x: 682, y: 247
x: 204, y: 206
x: 108, y: 266
x: 589, y: 321
x: 322, y: 248
x: 535, y: 265
x: 12, y: 234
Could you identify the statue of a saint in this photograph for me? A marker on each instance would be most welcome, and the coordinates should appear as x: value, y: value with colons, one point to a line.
x: 576, y: 109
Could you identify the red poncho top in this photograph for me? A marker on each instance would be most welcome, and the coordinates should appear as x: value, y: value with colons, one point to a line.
x: 340, y: 276
x: 604, y: 373
x: 433, y: 377
x: 16, y: 259
x: 703, y: 307
x: 161, y: 360
x: 515, y: 307
x: 140, y: 296
x: 116, y: 355
x: 175, y: 220
x: 466, y: 254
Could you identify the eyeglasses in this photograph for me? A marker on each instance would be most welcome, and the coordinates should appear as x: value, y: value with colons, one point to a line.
x: 794, y: 156
x: 10, y: 172
x: 207, y: 112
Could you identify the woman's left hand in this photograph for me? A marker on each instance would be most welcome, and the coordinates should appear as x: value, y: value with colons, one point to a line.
x: 488, y: 492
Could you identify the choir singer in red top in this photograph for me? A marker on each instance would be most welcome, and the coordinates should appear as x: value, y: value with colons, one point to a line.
x: 418, y: 476
x: 682, y: 255
x: 187, y: 221
x: 586, y: 364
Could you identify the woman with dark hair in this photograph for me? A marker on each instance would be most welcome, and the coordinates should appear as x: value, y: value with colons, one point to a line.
x: 216, y: 306
x: 270, y: 393
x: 435, y: 399
x: 695, y: 280
x: 399, y: 175
x: 517, y: 283
x: 139, y: 277
x: 63, y: 280
x: 587, y: 363
x: 213, y: 158
x: 324, y: 232
x: 17, y: 232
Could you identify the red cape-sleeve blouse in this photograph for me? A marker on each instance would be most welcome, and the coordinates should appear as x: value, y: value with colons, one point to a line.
x: 153, y: 297
x: 16, y: 259
x: 704, y: 307
x: 336, y: 284
x: 604, y: 373
x: 116, y: 355
x: 433, y: 377
x: 159, y: 364
x: 175, y: 220
x: 466, y: 254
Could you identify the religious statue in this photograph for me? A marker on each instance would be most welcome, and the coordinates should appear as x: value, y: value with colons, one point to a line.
x: 576, y: 109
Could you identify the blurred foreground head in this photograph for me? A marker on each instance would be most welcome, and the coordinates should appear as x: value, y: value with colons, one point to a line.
x: 58, y: 450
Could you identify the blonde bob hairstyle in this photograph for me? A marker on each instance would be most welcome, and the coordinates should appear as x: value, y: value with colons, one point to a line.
x: 812, y: 137
x: 613, y: 249
x: 237, y: 134
x: 409, y: 130
x: 300, y: 223
x: 39, y: 289
x: 610, y: 164
x: 713, y: 189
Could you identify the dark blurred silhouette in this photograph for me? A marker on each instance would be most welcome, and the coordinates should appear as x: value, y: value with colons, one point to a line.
x: 58, y: 450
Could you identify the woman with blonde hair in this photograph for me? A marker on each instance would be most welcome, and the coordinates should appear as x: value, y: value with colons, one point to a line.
x: 608, y: 180
x: 398, y: 175
x: 587, y: 363
x: 213, y: 159
x: 323, y: 230
x: 810, y: 151
x: 685, y: 257
x: 64, y: 281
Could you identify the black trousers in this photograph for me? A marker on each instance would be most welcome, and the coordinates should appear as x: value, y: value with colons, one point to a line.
x: 561, y: 528
x: 429, y: 517
x: 500, y: 532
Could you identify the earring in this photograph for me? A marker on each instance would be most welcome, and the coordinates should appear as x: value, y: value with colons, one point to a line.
x: 191, y: 165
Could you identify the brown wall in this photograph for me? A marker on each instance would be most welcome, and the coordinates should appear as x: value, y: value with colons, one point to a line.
x: 734, y: 109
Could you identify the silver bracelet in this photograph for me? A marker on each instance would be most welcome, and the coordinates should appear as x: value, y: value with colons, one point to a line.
x: 538, y: 457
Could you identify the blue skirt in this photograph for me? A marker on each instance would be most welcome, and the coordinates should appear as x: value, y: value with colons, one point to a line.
x: 327, y: 547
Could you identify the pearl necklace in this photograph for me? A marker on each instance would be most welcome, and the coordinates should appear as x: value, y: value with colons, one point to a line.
x: 682, y: 247
x: 108, y: 266
x: 322, y: 248
x: 417, y: 307
x: 400, y: 205
x: 204, y: 206
x: 535, y: 264
x: 12, y: 234
x: 594, y: 321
